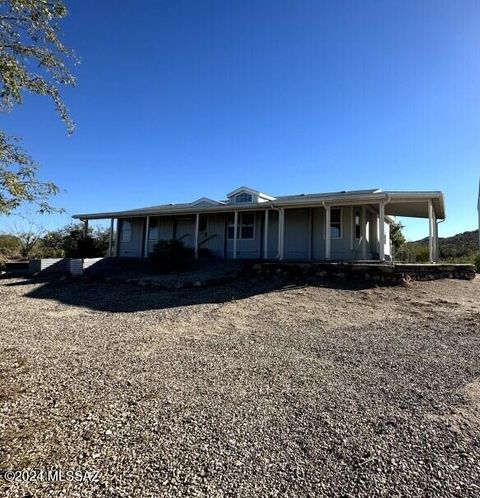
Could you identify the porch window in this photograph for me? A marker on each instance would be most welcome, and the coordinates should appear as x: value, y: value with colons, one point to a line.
x: 336, y: 223
x: 126, y: 232
x: 243, y: 198
x: 246, y: 226
x: 153, y: 229
x: 357, y: 221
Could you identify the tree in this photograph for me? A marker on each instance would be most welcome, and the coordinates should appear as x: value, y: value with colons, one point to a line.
x: 396, y: 236
x: 34, y: 60
x: 28, y: 239
x: 72, y: 242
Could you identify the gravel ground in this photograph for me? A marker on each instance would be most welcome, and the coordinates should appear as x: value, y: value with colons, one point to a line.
x: 250, y: 390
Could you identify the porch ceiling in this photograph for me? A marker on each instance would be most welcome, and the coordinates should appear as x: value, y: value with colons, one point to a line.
x: 415, y: 208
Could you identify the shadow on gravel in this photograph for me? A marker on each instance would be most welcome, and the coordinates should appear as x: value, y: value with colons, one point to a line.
x: 121, y: 297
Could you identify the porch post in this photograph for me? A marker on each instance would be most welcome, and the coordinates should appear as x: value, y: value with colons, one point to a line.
x: 197, y: 226
x: 352, y: 229
x: 431, y: 249
x: 364, y: 232
x: 117, y: 243
x: 235, y: 234
x: 310, y: 234
x: 281, y: 233
x: 265, y: 235
x: 147, y: 226
x: 381, y: 230
x: 85, y: 227
x: 327, y: 232
x: 110, y: 239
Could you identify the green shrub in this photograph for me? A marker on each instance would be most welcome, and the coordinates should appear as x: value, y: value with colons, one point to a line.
x: 171, y: 255
x: 71, y: 242
x: 477, y: 262
x: 9, y: 247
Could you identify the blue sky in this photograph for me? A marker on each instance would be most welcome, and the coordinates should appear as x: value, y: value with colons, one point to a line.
x: 180, y: 99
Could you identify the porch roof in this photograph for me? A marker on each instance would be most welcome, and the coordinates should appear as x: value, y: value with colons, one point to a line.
x: 397, y: 203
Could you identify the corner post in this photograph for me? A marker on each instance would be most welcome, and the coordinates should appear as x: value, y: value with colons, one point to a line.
x: 147, y: 229
x: 327, y: 232
x: 110, y: 239
x: 197, y: 226
x: 235, y: 234
x: 364, y: 232
x: 431, y: 243
x: 265, y: 235
x: 381, y: 231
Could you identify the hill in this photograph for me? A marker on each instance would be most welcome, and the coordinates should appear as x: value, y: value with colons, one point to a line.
x: 457, y: 248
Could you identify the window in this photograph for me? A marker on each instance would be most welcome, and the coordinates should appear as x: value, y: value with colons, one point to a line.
x: 126, y: 231
x: 336, y: 223
x: 357, y: 221
x: 243, y: 198
x: 246, y: 226
x: 153, y: 229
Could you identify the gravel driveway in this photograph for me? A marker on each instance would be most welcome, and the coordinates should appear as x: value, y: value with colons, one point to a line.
x: 245, y: 391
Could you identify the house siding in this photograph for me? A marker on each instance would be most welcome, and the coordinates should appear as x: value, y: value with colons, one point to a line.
x: 304, y: 235
x: 133, y: 247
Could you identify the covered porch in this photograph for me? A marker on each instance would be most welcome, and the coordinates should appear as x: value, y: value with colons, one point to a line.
x: 335, y: 229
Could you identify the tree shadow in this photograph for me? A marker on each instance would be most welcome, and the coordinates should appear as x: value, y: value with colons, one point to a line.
x: 118, y: 297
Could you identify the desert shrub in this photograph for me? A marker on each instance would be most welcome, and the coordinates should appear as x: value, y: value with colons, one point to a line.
x: 171, y: 255
x: 71, y: 242
x: 413, y: 253
x: 9, y: 247
x: 477, y: 262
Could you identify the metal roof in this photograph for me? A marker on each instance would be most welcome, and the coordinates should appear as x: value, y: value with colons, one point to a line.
x: 398, y: 203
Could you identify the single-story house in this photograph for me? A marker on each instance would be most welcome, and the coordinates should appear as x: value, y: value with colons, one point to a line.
x: 346, y: 226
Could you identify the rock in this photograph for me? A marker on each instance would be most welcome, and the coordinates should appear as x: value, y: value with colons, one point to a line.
x: 197, y: 283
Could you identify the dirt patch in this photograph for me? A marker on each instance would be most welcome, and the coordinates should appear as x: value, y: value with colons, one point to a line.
x: 252, y: 389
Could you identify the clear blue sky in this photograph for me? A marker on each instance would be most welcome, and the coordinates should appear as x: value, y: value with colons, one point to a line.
x: 181, y: 99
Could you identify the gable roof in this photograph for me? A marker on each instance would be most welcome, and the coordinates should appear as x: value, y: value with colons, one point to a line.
x: 205, y: 201
x: 398, y: 203
x: 250, y: 191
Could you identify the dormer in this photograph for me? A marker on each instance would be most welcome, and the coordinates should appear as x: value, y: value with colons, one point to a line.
x: 245, y: 195
x: 205, y: 202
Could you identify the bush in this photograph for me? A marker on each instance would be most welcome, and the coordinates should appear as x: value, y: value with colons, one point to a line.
x: 477, y: 262
x: 171, y: 255
x: 9, y: 247
x: 71, y: 242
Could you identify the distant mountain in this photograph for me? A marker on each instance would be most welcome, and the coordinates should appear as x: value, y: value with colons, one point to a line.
x: 462, y: 244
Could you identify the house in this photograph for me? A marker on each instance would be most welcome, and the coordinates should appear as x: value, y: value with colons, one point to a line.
x: 347, y: 226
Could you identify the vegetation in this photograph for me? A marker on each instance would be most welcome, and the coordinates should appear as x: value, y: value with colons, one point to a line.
x: 460, y: 248
x: 72, y: 242
x: 396, y: 236
x: 69, y: 242
x: 33, y: 60
x: 171, y: 255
